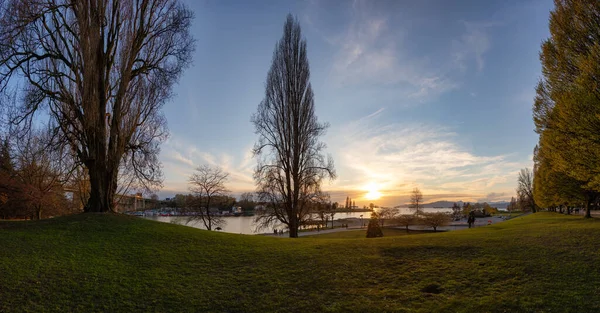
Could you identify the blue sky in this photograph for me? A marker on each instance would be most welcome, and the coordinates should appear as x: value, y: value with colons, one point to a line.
x: 428, y: 94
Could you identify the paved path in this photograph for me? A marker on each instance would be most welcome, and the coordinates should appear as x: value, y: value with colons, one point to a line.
x: 314, y: 232
x: 456, y: 225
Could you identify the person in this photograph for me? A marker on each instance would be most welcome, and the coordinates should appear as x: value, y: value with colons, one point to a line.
x: 471, y: 219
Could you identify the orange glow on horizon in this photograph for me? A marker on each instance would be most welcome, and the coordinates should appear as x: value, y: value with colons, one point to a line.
x: 372, y: 192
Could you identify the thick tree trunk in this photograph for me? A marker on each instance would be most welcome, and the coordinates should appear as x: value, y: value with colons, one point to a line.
x: 588, y: 213
x: 103, y: 186
x: 293, y: 225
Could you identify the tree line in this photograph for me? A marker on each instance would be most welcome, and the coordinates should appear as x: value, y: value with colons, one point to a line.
x: 566, y: 110
x: 33, y: 180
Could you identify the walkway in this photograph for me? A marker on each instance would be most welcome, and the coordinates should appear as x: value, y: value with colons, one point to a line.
x: 457, y: 225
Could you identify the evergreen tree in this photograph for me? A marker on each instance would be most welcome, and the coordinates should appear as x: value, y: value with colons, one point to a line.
x: 373, y: 229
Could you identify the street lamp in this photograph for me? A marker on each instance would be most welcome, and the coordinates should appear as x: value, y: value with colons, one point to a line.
x: 361, y: 222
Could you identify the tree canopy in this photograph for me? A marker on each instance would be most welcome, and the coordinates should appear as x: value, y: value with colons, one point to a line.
x: 566, y: 110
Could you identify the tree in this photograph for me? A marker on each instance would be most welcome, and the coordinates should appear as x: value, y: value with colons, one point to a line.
x: 41, y: 174
x: 416, y: 201
x: 373, y: 229
x: 436, y: 220
x: 208, y: 185
x: 466, y: 208
x: 291, y: 165
x: 101, y: 71
x: 387, y: 214
x: 456, y: 211
x: 552, y: 188
x: 7, y: 181
x: 246, y: 201
x: 333, y: 210
x: 525, y: 189
x: 512, y: 205
x: 566, y: 110
x: 405, y: 220
x: 32, y: 182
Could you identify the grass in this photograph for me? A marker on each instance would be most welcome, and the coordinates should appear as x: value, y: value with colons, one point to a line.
x: 543, y: 262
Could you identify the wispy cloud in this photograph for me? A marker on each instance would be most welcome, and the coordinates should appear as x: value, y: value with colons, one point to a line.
x: 396, y: 158
x: 373, y: 49
x: 472, y: 45
x: 180, y: 158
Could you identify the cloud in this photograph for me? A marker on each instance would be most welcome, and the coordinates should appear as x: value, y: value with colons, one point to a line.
x: 472, y: 45
x: 374, y: 50
x: 396, y: 158
x: 180, y: 158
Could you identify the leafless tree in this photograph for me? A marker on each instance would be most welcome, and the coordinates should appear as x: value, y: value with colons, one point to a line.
x: 405, y: 220
x: 291, y: 165
x: 435, y: 220
x: 101, y: 71
x: 208, y: 184
x: 416, y: 201
x: 387, y: 214
x: 525, y: 189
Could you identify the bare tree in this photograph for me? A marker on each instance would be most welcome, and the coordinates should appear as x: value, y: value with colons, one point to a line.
x: 525, y: 189
x: 101, y: 71
x: 387, y: 214
x: 416, y: 201
x: 406, y: 220
x: 208, y: 184
x: 291, y: 165
x: 435, y: 220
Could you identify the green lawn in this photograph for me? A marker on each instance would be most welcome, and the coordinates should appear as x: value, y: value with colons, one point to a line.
x: 543, y: 262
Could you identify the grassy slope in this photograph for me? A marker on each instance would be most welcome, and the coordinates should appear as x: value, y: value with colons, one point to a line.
x: 543, y: 262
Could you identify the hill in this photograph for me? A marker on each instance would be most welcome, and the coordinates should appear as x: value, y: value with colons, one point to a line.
x: 111, y: 263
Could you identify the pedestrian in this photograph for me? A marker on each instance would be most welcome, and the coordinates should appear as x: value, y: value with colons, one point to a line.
x: 471, y: 219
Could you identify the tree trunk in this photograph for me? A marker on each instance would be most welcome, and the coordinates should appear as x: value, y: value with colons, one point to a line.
x: 293, y: 225
x: 588, y: 213
x: 103, y: 186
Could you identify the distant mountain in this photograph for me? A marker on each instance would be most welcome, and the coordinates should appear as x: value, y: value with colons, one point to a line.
x: 449, y: 204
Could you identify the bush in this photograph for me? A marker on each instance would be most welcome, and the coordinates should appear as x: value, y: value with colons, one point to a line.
x: 373, y: 229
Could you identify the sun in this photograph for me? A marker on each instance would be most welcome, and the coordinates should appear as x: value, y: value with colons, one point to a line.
x: 372, y: 192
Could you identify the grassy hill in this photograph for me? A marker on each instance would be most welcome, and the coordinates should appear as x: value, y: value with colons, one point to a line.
x: 539, y: 263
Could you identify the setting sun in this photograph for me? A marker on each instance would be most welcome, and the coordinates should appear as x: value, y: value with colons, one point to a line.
x: 372, y: 192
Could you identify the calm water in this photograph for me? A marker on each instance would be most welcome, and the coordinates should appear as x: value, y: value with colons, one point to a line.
x: 245, y: 224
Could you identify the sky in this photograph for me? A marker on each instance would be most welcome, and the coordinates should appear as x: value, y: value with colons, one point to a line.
x: 434, y: 95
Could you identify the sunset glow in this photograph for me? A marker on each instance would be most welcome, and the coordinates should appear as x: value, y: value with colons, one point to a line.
x: 372, y: 192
